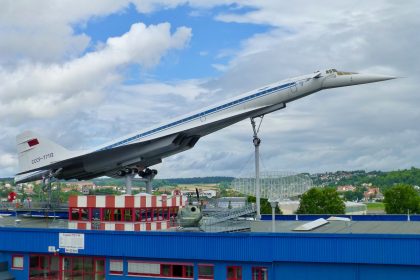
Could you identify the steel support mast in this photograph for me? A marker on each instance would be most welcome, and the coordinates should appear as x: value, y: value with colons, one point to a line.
x: 257, y: 142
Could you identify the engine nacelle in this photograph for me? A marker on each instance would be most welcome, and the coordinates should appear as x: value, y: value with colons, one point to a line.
x: 148, y: 173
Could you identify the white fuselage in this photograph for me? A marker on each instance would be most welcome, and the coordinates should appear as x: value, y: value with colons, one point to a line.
x: 37, y: 155
x: 280, y: 92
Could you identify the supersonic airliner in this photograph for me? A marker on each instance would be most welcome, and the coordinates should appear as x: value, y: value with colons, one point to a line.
x: 133, y: 154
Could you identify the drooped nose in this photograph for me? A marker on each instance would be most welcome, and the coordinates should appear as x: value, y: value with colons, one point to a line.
x: 343, y: 80
x: 357, y: 79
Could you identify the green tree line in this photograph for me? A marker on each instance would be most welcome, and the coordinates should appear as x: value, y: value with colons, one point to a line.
x: 383, y: 180
x: 402, y: 199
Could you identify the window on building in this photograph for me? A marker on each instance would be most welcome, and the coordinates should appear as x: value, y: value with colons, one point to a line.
x: 123, y: 214
x: 116, y: 267
x: 84, y: 214
x: 79, y: 214
x: 205, y: 271
x: 81, y: 268
x: 43, y: 267
x: 118, y: 214
x: 259, y: 273
x: 177, y: 270
x: 166, y: 213
x: 17, y: 262
x: 174, y: 212
x: 99, y: 269
x: 234, y: 273
x: 48, y: 267
x: 74, y: 213
x: 159, y: 214
x: 143, y: 216
x: 108, y: 214
x: 128, y: 215
x: 149, y: 214
x: 143, y: 268
x: 140, y: 268
x: 72, y: 267
x: 165, y: 270
x: 188, y: 271
x: 137, y: 216
x: 96, y: 214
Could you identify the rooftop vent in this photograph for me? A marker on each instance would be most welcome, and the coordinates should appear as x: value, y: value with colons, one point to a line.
x: 311, y: 225
x: 343, y: 219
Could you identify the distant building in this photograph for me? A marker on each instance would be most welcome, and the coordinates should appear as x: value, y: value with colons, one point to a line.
x: 202, y: 193
x: 79, y: 185
x: 107, y: 187
x: 28, y: 190
x: 372, y: 194
x: 347, y: 188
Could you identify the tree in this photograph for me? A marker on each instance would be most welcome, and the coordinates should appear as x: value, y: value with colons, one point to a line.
x: 400, y: 199
x: 356, y: 195
x: 321, y: 201
x: 265, y: 205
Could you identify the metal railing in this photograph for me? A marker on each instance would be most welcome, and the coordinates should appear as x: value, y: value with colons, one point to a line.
x: 5, y: 205
x: 228, y: 215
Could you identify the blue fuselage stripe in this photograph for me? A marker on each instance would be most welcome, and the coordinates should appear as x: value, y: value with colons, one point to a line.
x: 200, y: 115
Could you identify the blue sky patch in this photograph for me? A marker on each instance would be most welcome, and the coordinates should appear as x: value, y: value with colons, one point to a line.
x: 212, y: 42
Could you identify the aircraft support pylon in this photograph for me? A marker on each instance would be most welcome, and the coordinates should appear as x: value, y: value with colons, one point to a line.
x: 257, y: 141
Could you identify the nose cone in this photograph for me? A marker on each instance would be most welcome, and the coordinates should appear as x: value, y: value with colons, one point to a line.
x: 344, y: 79
x: 357, y: 79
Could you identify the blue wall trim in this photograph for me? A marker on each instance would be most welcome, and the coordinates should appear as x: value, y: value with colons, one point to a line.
x: 253, y: 247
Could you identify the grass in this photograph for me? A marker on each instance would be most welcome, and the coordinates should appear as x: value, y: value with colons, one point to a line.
x: 375, y: 206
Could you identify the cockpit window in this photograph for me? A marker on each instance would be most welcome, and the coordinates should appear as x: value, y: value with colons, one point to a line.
x: 330, y: 71
x: 340, y: 73
x: 345, y: 73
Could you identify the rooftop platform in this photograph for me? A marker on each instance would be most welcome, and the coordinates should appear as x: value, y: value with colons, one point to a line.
x: 342, y: 227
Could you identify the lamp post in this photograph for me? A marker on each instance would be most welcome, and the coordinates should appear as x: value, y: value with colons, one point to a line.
x: 273, y: 215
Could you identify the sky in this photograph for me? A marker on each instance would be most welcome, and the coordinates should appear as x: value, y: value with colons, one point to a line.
x: 84, y: 72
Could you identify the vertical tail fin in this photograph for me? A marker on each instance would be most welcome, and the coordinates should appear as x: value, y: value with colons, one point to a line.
x: 35, y: 151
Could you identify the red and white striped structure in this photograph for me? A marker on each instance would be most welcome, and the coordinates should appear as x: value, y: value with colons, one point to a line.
x: 125, y: 213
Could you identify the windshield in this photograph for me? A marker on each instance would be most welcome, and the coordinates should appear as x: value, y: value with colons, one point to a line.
x: 334, y: 71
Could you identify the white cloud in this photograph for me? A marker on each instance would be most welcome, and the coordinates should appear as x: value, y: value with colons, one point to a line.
x: 60, y: 93
x: 44, y: 30
x: 46, y: 90
x: 188, y: 89
x: 7, y: 163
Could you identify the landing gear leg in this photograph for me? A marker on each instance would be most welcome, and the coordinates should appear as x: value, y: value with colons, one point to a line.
x: 148, y: 175
x: 129, y: 183
x: 46, y: 184
x: 149, y: 186
x: 46, y: 187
